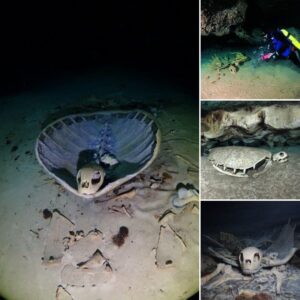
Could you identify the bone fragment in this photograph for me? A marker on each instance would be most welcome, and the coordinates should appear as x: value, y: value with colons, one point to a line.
x: 126, y: 195
x: 208, y: 277
x: 227, y: 275
x: 279, y: 280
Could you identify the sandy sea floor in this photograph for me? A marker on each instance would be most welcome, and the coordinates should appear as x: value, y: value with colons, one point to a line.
x: 159, y: 259
x: 279, y: 182
x: 254, y: 80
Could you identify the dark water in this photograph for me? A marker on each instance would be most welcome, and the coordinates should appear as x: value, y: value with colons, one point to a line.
x: 247, y: 217
x: 60, y: 42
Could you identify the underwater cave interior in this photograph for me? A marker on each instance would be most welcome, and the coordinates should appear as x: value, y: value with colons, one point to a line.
x: 244, y: 47
x: 265, y: 126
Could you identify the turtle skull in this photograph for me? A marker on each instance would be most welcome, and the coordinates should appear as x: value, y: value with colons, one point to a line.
x: 90, y: 179
x: 250, y: 260
x: 280, y: 157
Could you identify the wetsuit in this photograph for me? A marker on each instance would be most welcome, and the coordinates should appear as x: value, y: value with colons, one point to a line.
x: 283, y: 45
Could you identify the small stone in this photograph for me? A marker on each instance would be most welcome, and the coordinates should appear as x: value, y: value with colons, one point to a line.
x: 47, y: 214
x: 154, y: 185
x: 14, y: 148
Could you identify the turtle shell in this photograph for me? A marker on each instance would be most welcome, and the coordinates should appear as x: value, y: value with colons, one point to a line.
x: 236, y: 157
x: 71, y: 142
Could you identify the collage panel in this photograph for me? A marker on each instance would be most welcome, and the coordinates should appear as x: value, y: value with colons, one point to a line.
x: 250, y: 150
x: 249, y: 250
x: 250, y: 49
x: 99, y: 150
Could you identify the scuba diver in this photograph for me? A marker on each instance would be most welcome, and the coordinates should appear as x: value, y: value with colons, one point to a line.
x: 282, y: 45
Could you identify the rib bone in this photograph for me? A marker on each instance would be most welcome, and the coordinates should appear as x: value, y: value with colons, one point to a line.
x: 227, y: 260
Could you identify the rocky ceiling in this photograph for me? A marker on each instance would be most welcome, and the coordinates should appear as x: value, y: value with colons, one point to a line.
x: 275, y: 124
x: 241, y: 17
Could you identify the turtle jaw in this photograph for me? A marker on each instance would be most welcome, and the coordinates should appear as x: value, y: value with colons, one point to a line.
x: 283, y: 160
x: 280, y: 161
x: 247, y: 271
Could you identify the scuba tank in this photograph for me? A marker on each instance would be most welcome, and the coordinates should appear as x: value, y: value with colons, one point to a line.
x: 291, y: 38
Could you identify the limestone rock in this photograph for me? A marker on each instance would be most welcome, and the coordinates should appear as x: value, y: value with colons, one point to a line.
x: 274, y: 125
x: 218, y: 16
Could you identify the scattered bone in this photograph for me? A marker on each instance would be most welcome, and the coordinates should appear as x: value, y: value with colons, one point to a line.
x: 233, y: 69
x: 66, y: 243
x: 205, y: 279
x: 227, y: 274
x: 278, y: 262
x: 179, y: 237
x: 279, y: 279
x: 154, y: 185
x: 59, y: 228
x: 195, y: 210
x: 123, y: 209
x: 95, y: 261
x: 185, y: 224
x: 169, y: 239
x: 108, y: 267
x: 126, y: 195
x: 166, y: 217
x: 63, y: 294
x: 94, y: 271
x: 73, y: 238
x: 80, y: 249
x: 231, y: 260
x: 35, y: 233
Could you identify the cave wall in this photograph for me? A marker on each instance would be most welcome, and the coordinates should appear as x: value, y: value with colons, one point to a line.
x: 258, y: 124
x: 220, y: 18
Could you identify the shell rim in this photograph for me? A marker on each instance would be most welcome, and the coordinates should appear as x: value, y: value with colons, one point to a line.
x: 247, y: 168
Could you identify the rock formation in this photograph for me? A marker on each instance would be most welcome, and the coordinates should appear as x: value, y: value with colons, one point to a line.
x: 274, y: 125
x: 217, y: 17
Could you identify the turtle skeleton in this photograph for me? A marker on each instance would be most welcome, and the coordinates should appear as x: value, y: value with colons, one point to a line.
x: 91, y: 154
x: 253, y: 260
x: 237, y: 160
